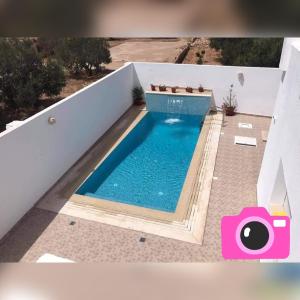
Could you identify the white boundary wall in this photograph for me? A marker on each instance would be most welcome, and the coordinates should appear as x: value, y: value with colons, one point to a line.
x: 36, y: 154
x: 256, y: 95
x: 283, y: 147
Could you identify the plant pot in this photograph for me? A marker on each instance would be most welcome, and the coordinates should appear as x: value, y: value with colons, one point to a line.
x: 173, y: 89
x: 229, y: 110
x: 153, y: 88
x: 201, y: 89
x: 189, y: 90
x: 162, y: 88
x: 139, y: 102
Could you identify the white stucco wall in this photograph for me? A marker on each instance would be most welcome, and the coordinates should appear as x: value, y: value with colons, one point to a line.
x: 256, y: 96
x: 284, y: 145
x: 35, y: 155
x: 286, y: 53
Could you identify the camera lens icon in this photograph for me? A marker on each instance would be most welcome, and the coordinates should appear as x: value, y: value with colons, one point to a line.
x: 254, y: 235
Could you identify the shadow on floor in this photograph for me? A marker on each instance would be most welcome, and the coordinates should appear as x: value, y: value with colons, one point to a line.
x: 25, y: 233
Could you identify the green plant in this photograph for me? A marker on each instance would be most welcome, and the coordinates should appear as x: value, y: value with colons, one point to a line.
x: 201, y: 89
x: 230, y: 102
x: 53, y: 79
x: 252, y: 52
x: 24, y: 75
x: 83, y: 54
x: 138, y: 95
x: 46, y: 46
x: 162, y: 88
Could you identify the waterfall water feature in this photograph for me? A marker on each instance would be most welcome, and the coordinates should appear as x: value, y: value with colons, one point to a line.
x: 176, y: 105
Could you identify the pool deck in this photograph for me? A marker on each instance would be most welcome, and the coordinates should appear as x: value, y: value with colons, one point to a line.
x: 234, y: 187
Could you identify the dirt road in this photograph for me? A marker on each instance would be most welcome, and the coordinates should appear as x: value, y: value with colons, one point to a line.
x: 150, y: 50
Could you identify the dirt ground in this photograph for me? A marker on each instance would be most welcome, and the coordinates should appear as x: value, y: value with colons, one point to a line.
x: 211, y: 56
x: 150, y: 50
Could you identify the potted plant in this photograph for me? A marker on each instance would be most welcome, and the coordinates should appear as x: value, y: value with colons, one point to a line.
x: 174, y: 88
x: 153, y: 88
x: 138, y: 95
x: 201, y: 89
x: 189, y: 89
x: 230, y: 104
x: 162, y: 88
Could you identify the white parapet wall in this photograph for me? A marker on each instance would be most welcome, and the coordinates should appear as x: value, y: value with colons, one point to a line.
x: 255, y: 88
x: 34, y: 155
x: 279, y: 179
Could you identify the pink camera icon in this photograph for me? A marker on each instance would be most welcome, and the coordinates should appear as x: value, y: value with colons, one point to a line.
x: 254, y: 234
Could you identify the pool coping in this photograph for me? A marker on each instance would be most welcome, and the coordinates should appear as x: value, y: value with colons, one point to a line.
x: 188, y: 221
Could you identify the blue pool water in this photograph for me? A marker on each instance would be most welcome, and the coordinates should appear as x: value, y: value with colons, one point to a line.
x: 149, y: 166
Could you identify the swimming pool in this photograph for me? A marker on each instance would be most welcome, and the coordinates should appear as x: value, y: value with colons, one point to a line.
x: 148, y: 168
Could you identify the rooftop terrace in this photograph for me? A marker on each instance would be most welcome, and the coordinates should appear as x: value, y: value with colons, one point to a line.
x: 234, y: 187
x: 61, y: 145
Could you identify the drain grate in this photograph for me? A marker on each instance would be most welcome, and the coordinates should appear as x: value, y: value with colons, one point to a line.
x: 142, y: 240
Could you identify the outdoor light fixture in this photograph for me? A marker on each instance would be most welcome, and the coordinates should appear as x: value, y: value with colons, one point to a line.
x: 51, y: 120
x: 241, y: 78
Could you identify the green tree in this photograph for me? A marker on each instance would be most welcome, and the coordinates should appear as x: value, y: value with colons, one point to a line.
x: 53, y: 79
x: 24, y: 75
x: 83, y: 54
x: 253, y: 52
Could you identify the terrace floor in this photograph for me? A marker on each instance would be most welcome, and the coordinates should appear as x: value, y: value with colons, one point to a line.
x: 234, y: 187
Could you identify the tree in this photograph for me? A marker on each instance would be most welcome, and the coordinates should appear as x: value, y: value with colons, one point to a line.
x: 53, y: 79
x: 254, y: 52
x: 83, y: 54
x: 46, y: 46
x: 24, y: 75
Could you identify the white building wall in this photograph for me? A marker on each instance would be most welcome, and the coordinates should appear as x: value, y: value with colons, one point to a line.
x: 283, y: 146
x: 286, y: 52
x: 36, y: 154
x: 255, y: 95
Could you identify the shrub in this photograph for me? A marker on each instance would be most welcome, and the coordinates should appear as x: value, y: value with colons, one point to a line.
x: 24, y: 76
x: 53, y: 79
x: 83, y: 54
x: 200, y: 60
x: 46, y: 46
x: 230, y: 103
x: 253, y: 52
x: 138, y: 95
